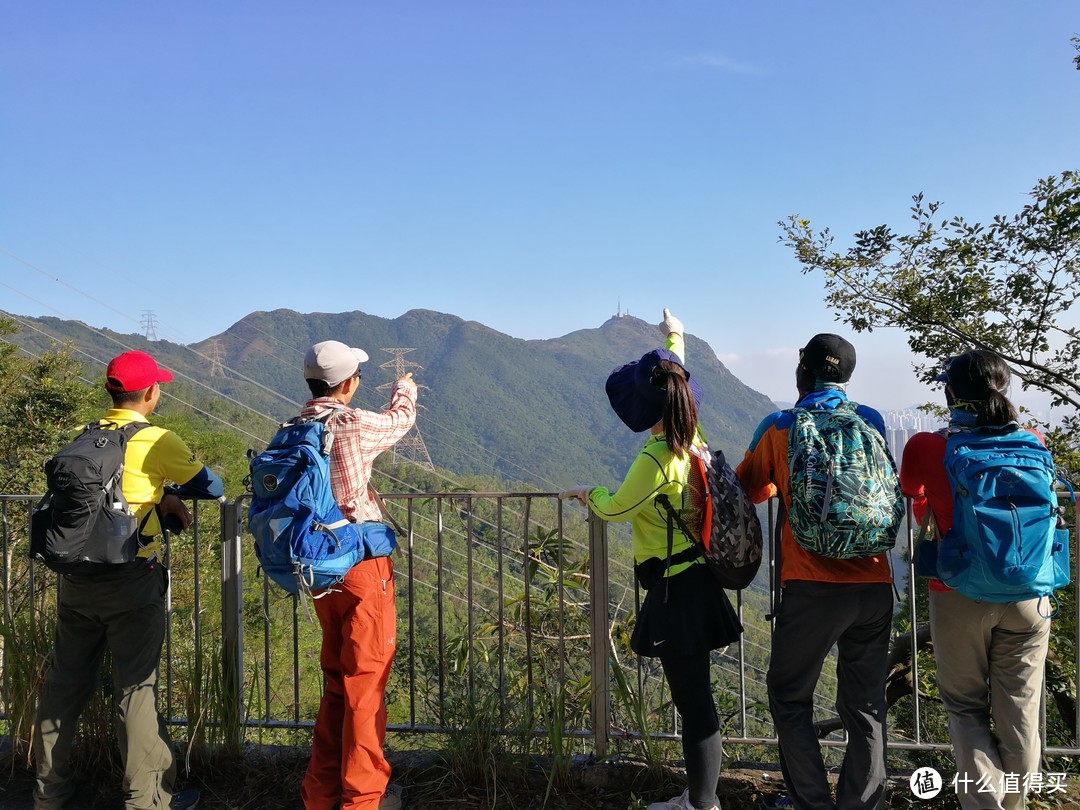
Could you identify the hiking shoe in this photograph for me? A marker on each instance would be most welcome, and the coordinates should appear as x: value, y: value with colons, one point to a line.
x: 185, y: 800
x: 781, y: 802
x: 678, y: 803
x: 393, y: 798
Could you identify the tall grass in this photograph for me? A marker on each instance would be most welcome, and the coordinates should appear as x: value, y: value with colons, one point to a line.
x: 476, y: 744
x: 641, y: 714
x: 215, y: 718
x: 27, y: 641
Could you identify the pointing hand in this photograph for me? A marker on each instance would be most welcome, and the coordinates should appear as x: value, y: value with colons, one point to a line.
x: 670, y: 324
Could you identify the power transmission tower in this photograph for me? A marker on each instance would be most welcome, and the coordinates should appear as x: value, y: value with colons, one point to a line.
x: 149, y: 325
x: 216, y: 356
x: 410, y: 447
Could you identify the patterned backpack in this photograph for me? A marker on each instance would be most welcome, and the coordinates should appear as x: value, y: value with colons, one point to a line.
x: 729, y: 532
x: 845, y: 494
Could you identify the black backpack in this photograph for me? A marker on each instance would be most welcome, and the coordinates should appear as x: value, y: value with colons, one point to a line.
x: 84, y: 525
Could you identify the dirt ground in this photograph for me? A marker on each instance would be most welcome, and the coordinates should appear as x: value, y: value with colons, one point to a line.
x: 247, y: 786
x: 263, y: 780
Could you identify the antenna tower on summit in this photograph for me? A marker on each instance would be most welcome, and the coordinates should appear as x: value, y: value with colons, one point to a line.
x: 149, y: 325
x: 410, y: 447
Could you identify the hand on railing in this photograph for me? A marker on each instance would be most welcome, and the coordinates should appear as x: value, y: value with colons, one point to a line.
x: 580, y: 494
x: 173, y: 513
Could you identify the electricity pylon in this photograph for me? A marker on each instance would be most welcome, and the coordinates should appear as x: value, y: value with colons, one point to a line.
x: 216, y: 356
x: 410, y: 447
x: 149, y: 325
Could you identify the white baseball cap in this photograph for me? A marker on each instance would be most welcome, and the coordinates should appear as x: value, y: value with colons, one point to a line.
x: 332, y: 362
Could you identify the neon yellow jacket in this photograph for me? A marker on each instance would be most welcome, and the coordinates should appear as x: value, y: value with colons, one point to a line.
x: 656, y: 470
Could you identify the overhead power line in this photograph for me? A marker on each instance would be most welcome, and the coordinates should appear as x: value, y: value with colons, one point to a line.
x: 215, y: 361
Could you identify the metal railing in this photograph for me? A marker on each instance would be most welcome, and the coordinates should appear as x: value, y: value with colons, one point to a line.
x: 511, y: 604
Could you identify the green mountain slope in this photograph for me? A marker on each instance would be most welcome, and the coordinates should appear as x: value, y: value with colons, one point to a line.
x: 523, y: 410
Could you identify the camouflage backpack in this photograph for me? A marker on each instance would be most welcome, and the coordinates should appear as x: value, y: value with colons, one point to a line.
x: 845, y: 493
x: 729, y: 533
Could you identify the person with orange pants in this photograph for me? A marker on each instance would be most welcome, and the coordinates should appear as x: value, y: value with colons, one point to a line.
x: 357, y: 616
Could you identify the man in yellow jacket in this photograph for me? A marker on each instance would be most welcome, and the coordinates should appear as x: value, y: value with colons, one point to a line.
x: 122, y: 609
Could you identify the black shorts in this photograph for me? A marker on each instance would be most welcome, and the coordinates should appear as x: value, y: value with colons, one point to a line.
x: 695, y: 618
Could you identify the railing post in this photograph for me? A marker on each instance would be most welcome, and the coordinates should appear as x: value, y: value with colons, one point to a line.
x: 599, y: 602
x: 232, y: 627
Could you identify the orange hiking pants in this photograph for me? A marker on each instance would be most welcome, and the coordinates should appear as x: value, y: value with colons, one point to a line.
x: 358, y: 628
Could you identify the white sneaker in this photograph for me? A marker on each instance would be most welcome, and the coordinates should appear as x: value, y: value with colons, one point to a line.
x: 678, y: 803
x: 392, y: 798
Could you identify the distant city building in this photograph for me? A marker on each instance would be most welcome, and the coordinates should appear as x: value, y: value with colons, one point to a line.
x: 902, y: 425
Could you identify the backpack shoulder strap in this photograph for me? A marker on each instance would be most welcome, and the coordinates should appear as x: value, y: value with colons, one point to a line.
x: 383, y: 509
x: 778, y: 540
x: 131, y: 428
x: 672, y: 516
x: 924, y: 525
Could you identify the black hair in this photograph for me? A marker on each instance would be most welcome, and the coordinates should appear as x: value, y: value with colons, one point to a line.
x: 321, y: 388
x: 981, y: 378
x: 122, y: 398
x: 680, y: 411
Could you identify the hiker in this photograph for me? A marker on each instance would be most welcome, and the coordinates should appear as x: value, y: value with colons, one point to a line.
x: 824, y: 601
x: 357, y: 616
x: 685, y: 614
x: 122, y: 608
x: 990, y: 654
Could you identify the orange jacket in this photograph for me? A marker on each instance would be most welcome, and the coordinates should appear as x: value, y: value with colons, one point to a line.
x: 764, y: 473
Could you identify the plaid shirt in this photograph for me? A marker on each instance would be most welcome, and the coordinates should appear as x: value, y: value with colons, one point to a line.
x: 359, y: 437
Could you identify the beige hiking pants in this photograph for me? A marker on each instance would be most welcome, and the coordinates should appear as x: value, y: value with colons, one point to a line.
x: 990, y: 661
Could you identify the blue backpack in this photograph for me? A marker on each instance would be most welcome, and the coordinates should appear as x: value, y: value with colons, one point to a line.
x: 302, y: 540
x: 845, y: 494
x: 1004, y: 544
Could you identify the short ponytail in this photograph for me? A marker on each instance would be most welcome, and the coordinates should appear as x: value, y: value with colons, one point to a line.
x: 980, y: 378
x: 996, y: 409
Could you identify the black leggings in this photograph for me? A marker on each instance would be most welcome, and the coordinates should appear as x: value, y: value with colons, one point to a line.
x: 691, y: 690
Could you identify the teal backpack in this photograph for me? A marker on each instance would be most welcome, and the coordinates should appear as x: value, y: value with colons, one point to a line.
x: 1005, y: 543
x: 845, y: 494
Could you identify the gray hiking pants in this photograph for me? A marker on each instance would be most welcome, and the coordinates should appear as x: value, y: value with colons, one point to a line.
x: 123, y: 612
x: 990, y: 660
x: 814, y: 616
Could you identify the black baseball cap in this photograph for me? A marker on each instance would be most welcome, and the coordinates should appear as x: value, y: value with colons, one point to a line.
x: 828, y: 357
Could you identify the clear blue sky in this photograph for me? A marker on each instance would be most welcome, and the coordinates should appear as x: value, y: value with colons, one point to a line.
x: 528, y: 165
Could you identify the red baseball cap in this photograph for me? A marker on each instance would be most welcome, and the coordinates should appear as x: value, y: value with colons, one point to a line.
x: 134, y: 371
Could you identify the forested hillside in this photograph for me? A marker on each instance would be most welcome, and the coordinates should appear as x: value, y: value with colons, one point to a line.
x: 524, y: 410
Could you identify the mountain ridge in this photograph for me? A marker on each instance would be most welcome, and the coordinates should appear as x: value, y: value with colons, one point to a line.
x: 530, y: 410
